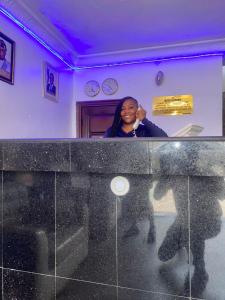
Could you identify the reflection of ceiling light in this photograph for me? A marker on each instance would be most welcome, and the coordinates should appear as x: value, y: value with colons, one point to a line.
x: 177, y: 103
x: 177, y: 145
x: 120, y: 185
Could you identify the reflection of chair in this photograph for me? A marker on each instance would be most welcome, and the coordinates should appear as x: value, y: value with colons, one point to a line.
x: 189, y: 130
x: 38, y: 241
x: 72, y: 244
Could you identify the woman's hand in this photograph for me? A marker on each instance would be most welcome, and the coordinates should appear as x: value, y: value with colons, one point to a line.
x: 141, y: 113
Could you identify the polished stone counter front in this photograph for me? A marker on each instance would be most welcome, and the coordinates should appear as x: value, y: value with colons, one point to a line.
x: 170, y: 156
x: 67, y: 235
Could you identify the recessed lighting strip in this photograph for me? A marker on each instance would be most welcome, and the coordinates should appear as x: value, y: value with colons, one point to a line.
x: 105, y: 65
x: 150, y: 60
x: 35, y: 36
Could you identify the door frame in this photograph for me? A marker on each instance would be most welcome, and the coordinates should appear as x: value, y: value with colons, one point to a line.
x: 80, y: 105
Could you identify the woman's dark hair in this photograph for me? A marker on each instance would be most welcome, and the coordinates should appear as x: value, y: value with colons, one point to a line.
x: 117, y: 122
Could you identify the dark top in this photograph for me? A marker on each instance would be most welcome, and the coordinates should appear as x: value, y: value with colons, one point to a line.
x: 51, y: 89
x: 145, y: 129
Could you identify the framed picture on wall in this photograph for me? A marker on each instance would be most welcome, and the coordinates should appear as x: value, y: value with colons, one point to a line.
x: 50, y: 82
x: 7, y: 58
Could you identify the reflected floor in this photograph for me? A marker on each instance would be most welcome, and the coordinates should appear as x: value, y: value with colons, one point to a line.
x: 139, y: 266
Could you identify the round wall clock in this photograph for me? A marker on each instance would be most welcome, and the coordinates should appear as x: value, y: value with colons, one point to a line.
x: 159, y: 78
x: 92, y: 88
x: 110, y: 86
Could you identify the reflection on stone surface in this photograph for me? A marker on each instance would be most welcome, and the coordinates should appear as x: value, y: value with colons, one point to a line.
x: 188, y: 158
x: 71, y: 223
x: 27, y: 286
x: 176, y: 240
x: 205, y: 224
x: 86, y: 228
x: 153, y: 232
x: 85, y: 291
x: 1, y: 157
x: 110, y: 157
x: 128, y: 294
x: 1, y: 288
x: 29, y: 220
x: 100, y: 264
x: 74, y: 222
x: 177, y: 234
x: 30, y: 156
x: 160, y: 235
x: 136, y: 206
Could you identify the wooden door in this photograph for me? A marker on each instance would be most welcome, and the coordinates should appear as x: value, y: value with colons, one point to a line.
x: 94, y: 117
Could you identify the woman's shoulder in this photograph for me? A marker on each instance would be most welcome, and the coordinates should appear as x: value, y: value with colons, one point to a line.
x: 108, y: 132
x: 152, y: 130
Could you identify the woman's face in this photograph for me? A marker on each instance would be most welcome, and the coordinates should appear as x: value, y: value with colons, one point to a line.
x: 2, y: 50
x: 128, y: 111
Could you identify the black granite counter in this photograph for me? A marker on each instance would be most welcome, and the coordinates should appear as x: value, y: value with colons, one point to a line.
x: 183, y: 156
x: 67, y: 234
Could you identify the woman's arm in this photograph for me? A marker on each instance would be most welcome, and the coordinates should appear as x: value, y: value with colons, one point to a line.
x: 152, y: 129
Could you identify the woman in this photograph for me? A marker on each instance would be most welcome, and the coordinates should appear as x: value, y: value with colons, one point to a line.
x: 126, y: 113
x: 124, y: 122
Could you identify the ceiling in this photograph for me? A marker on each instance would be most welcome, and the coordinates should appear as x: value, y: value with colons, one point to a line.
x: 83, y: 29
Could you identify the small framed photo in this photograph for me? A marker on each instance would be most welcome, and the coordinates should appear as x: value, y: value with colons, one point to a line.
x: 50, y: 82
x: 7, y: 58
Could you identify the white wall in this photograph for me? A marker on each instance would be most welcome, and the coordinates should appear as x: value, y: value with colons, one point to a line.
x: 24, y: 112
x: 223, y: 79
x: 201, y: 77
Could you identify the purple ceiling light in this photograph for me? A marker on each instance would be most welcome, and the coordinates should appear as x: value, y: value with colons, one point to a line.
x: 151, y: 60
x: 112, y: 64
x: 37, y: 38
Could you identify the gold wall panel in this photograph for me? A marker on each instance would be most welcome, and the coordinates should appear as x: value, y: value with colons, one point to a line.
x: 172, y: 105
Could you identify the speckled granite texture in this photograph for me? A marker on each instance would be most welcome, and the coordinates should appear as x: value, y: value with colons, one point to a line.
x: 66, y: 235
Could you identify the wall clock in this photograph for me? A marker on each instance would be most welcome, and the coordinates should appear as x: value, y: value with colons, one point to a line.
x: 110, y: 86
x: 159, y: 78
x: 92, y: 88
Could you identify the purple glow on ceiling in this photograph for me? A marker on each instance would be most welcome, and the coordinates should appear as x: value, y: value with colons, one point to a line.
x: 36, y: 37
x: 102, y: 65
x: 151, y: 60
x: 77, y: 43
